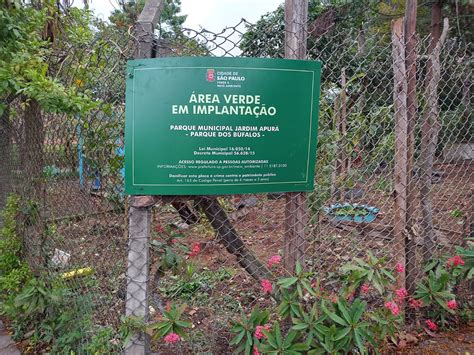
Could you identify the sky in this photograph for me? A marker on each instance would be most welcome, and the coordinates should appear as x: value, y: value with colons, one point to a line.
x: 213, y: 15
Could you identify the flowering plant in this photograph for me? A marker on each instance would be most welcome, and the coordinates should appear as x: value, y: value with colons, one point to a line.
x: 369, y: 271
x: 249, y: 331
x: 171, y: 323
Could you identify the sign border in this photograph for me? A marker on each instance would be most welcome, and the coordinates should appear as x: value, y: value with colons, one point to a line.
x: 224, y: 184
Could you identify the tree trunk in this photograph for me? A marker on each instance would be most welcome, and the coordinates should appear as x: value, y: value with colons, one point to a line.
x: 401, y: 141
x: 6, y: 158
x: 411, y: 269
x: 34, y: 141
x: 429, y: 139
x: 231, y: 240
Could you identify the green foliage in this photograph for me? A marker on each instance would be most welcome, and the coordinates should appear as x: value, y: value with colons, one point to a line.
x: 276, y: 343
x: 443, y: 277
x: 169, y: 249
x: 347, y: 330
x: 300, y: 281
x: 319, y: 326
x: 372, y: 270
x: 24, y: 69
x: 52, y: 311
x: 384, y: 325
x: 171, y: 322
x: 466, y: 271
x: 191, y: 284
x: 245, y: 329
x: 13, y: 271
x: 351, y: 210
x: 104, y: 341
x: 435, y: 293
x: 129, y: 326
x: 57, y: 315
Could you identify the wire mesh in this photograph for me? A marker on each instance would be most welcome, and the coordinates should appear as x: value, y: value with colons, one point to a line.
x: 69, y: 170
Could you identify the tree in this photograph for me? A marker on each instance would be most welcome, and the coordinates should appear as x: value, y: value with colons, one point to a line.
x: 28, y: 46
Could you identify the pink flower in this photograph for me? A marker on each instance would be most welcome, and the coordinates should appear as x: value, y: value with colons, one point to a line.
x: 350, y: 296
x: 159, y: 228
x: 259, y: 331
x: 452, y: 304
x: 400, y: 268
x: 172, y: 338
x: 415, y: 304
x: 267, y: 286
x: 455, y: 261
x: 431, y: 325
x: 196, y: 250
x: 393, y: 307
x: 402, y: 293
x: 255, y: 351
x: 275, y: 259
x: 333, y: 298
x: 365, y: 288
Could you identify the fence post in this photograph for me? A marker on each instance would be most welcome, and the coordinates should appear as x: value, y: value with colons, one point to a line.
x: 138, y: 261
x: 296, y: 209
x: 411, y: 267
x: 401, y: 139
x: 136, y: 304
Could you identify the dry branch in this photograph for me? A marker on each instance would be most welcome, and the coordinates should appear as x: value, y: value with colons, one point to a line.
x: 429, y: 139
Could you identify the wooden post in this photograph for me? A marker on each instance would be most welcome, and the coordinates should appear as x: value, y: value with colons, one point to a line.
x: 429, y: 139
x: 296, y: 209
x: 411, y: 268
x: 401, y: 139
x: 138, y: 263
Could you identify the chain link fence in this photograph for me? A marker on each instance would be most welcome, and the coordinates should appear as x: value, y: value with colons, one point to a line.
x: 210, y: 252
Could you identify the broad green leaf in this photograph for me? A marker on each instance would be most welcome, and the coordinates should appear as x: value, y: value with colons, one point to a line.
x: 333, y: 316
x: 238, y: 338
x: 345, y: 313
x: 342, y: 333
x: 287, y: 282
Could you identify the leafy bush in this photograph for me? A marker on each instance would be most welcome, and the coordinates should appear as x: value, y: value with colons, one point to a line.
x: 13, y: 271
x: 245, y: 330
x: 308, y: 319
x: 170, y: 323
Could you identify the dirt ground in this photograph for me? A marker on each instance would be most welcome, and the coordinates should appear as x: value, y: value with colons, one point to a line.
x: 458, y: 342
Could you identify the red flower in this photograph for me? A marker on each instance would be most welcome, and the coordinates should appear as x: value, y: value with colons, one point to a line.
x: 455, y: 261
x: 275, y: 259
x: 267, y: 286
x: 402, y: 293
x: 255, y: 351
x: 452, y: 304
x: 259, y: 331
x: 196, y: 250
x: 393, y: 307
x: 400, y: 268
x: 172, y: 338
x: 365, y: 288
x: 431, y: 325
x: 159, y: 228
x: 415, y: 304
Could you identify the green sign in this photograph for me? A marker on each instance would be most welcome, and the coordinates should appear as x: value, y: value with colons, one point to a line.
x: 201, y: 126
